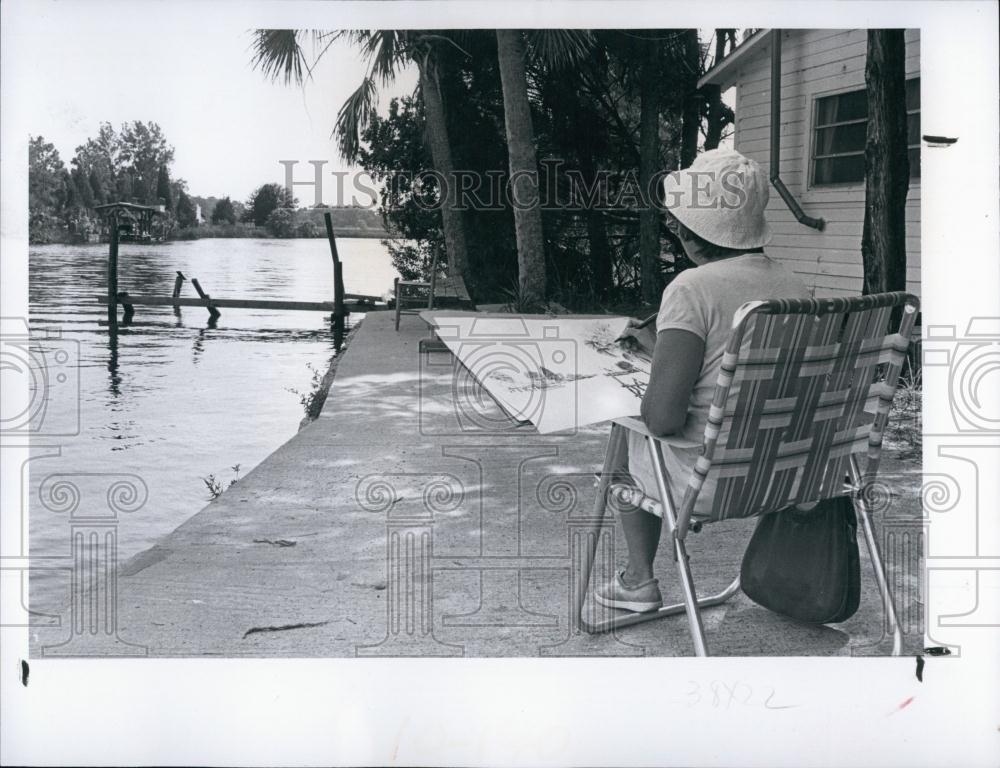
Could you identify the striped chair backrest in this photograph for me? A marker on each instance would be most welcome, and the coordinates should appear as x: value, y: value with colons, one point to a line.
x: 805, y: 384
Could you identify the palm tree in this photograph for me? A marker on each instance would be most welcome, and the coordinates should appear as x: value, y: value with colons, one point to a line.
x: 555, y: 49
x: 279, y: 54
x: 523, y: 165
x: 437, y: 139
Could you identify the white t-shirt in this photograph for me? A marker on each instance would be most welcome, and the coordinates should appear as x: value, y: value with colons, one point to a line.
x: 703, y: 301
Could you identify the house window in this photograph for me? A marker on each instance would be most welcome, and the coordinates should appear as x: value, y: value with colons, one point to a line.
x: 840, y: 131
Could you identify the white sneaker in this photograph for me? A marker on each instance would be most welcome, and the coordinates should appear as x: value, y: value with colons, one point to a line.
x: 640, y: 598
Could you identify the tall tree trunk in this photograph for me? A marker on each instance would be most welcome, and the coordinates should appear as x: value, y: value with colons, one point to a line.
x: 718, y: 115
x: 523, y: 165
x: 578, y: 123
x: 600, y: 253
x: 597, y: 230
x: 691, y: 116
x: 437, y: 138
x: 887, y: 165
x: 649, y: 155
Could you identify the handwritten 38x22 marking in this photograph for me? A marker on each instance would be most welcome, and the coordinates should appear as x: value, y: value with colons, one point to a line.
x: 719, y: 694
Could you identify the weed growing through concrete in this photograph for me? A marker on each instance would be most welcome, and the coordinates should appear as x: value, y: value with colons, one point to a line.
x: 215, y: 486
x: 320, y: 381
x: 309, y: 400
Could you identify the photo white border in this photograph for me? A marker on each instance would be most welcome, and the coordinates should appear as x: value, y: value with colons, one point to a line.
x: 843, y: 711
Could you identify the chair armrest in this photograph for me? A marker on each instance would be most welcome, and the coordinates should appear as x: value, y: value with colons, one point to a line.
x: 636, y: 425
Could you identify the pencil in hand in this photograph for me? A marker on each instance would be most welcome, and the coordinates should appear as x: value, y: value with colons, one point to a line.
x: 622, y: 337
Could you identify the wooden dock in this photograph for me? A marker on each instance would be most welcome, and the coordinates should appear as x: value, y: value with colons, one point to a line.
x: 118, y: 219
x: 356, y: 302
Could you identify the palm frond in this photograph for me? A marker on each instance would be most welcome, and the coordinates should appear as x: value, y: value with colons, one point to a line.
x: 321, y: 43
x: 353, y: 118
x: 560, y: 48
x: 384, y: 49
x: 451, y: 38
x: 278, y: 54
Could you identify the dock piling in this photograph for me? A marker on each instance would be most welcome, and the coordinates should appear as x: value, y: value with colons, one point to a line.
x: 212, y: 311
x: 338, y: 284
x: 113, y: 275
x: 123, y: 299
x: 178, y: 282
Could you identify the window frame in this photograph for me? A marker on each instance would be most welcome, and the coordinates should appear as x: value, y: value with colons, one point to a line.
x: 815, y: 190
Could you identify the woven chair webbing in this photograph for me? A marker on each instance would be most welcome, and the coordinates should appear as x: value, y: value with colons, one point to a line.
x: 804, y: 385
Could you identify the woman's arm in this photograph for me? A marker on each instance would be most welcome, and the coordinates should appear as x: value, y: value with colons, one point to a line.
x: 677, y: 359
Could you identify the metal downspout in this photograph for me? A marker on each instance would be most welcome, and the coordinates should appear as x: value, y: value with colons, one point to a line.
x: 790, y: 201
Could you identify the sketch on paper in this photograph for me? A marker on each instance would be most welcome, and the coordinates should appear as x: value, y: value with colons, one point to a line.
x: 558, y: 373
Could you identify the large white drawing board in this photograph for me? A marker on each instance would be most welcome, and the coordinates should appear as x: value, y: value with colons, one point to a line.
x: 560, y: 373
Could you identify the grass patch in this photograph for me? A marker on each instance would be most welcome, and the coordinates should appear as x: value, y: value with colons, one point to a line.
x: 904, y: 433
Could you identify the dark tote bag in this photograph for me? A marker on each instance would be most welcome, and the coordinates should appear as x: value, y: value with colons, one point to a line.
x: 805, y: 564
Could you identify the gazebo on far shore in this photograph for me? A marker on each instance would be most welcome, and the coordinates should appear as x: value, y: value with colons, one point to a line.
x: 137, y: 223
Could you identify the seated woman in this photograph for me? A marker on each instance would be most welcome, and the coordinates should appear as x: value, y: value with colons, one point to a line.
x: 716, y: 208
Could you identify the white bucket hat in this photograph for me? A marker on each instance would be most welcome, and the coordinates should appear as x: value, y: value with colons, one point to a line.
x: 721, y: 197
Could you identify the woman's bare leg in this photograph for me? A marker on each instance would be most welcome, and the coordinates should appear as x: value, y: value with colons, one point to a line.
x: 642, y: 529
x: 642, y: 535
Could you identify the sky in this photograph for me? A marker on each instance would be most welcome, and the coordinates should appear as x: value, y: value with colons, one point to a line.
x: 191, y: 73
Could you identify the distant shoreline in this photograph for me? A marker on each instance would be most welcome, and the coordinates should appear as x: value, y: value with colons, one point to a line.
x: 236, y: 234
x: 304, y: 223
x: 195, y: 234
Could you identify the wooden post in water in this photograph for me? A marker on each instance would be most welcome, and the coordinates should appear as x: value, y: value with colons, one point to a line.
x: 338, y: 305
x: 129, y: 309
x: 338, y: 284
x: 178, y: 282
x: 113, y: 275
x: 212, y: 311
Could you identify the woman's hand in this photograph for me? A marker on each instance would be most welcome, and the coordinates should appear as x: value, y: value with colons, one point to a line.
x: 638, y: 337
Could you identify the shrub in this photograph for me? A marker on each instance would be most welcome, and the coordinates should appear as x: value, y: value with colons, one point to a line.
x: 281, y: 222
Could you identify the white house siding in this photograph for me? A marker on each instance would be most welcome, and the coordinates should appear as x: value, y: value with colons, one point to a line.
x: 816, y: 63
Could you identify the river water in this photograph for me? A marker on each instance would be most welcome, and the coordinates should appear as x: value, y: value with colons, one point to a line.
x: 177, y: 398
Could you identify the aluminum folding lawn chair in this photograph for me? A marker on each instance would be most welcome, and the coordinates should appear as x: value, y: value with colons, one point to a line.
x: 799, y: 413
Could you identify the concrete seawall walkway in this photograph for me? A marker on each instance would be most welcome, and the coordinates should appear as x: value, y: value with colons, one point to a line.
x: 413, y: 518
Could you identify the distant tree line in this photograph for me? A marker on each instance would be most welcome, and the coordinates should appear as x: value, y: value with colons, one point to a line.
x: 133, y: 164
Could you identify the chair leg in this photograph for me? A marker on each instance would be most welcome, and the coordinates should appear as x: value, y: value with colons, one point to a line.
x: 691, y: 605
x: 680, y: 551
x: 877, y: 564
x: 667, y: 610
